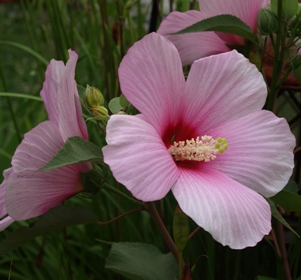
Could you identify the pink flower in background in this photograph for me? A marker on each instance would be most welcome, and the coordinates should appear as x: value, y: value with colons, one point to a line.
x: 25, y: 191
x: 220, y: 102
x: 193, y: 46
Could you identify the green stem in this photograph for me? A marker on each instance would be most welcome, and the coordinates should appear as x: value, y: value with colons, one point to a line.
x: 119, y: 217
x: 180, y: 266
x: 275, y: 74
x: 20, y: 95
x: 294, y: 34
x: 131, y: 28
x: 10, y: 107
x: 284, y: 257
x: 133, y: 200
x: 105, y: 47
x: 150, y: 207
x: 284, y: 77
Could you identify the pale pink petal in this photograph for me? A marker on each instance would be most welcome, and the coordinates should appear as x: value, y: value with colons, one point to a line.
x: 38, y: 147
x: 138, y: 158
x: 4, y: 223
x: 151, y: 78
x: 191, y: 46
x: 71, y: 122
x: 6, y: 174
x: 222, y: 88
x: 61, y: 98
x: 49, y: 92
x: 233, y: 214
x: 32, y: 193
x: 246, y: 10
x: 260, y: 154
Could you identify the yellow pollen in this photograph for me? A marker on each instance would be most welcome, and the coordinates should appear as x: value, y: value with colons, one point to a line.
x: 200, y: 149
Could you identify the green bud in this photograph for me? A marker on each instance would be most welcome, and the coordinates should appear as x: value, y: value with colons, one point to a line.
x: 93, y: 97
x: 295, y: 61
x: 93, y: 100
x: 93, y: 180
x: 295, y: 64
x: 267, y: 22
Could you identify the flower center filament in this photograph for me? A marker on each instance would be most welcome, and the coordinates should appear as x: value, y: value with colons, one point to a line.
x: 203, y: 148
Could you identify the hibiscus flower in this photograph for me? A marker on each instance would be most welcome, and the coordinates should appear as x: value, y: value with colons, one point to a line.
x: 27, y: 192
x: 206, y: 139
x: 193, y: 46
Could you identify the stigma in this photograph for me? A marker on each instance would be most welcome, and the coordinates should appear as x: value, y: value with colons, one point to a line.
x: 203, y: 148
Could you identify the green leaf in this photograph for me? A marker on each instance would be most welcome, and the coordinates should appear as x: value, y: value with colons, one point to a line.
x: 138, y: 261
x: 289, y: 201
x: 277, y: 216
x: 222, y: 23
x: 297, y: 74
x: 291, y: 186
x: 290, y: 7
x: 114, y: 105
x: 123, y: 101
x: 75, y: 150
x: 81, y: 90
x: 180, y: 228
x: 56, y: 218
x: 183, y: 5
x: 99, y: 118
x: 274, y: 6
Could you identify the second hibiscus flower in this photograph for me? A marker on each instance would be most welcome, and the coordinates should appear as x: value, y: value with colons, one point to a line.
x: 206, y: 139
x: 192, y: 46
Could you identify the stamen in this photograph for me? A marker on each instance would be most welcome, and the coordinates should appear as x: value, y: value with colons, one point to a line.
x: 204, y: 149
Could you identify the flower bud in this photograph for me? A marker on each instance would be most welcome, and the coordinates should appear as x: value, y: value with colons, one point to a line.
x: 93, y: 100
x: 267, y: 22
x: 295, y: 61
x: 93, y: 180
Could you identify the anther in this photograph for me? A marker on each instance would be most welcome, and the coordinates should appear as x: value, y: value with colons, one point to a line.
x: 200, y: 149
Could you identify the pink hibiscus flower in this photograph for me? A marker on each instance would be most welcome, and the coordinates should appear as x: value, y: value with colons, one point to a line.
x: 193, y: 46
x: 179, y: 141
x: 27, y: 192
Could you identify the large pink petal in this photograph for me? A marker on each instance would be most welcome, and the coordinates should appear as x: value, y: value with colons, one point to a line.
x: 191, y: 46
x: 233, y: 214
x: 61, y: 98
x: 32, y: 193
x: 151, y: 78
x: 38, y: 147
x: 246, y: 10
x: 222, y: 88
x: 4, y: 223
x: 6, y: 174
x: 260, y: 154
x: 138, y: 158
